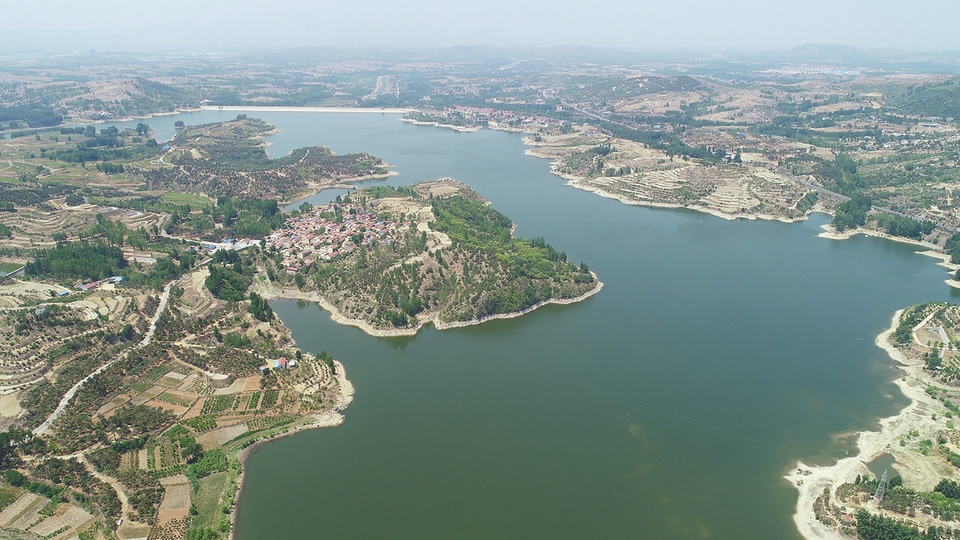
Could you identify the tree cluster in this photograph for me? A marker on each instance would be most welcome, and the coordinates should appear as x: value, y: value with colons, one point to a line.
x: 77, y: 260
x: 878, y: 527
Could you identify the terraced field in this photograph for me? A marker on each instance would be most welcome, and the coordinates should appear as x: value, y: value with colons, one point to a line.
x: 24, y: 515
x: 633, y: 173
x: 33, y: 227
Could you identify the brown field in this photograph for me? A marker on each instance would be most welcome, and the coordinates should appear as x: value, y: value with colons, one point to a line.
x: 21, y: 505
x: 148, y: 394
x: 196, y: 296
x: 252, y: 384
x: 179, y: 397
x: 30, y: 514
x: 176, y: 409
x: 235, y: 387
x: 176, y: 499
x: 67, y: 516
x: 216, y: 437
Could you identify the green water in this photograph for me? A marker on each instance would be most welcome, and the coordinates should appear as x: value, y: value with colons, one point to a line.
x: 668, y: 406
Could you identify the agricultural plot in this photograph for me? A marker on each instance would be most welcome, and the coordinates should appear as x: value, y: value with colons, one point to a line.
x: 177, y: 398
x: 170, y: 382
x: 34, y: 227
x: 208, y: 497
x: 235, y: 387
x: 201, y: 423
x: 216, y: 404
x: 129, y: 461
x: 210, y: 415
x: 219, y: 436
x: 149, y: 394
x: 33, y: 337
x: 69, y: 517
x: 636, y: 174
x: 151, y: 377
x: 176, y: 499
x: 162, y: 457
x: 270, y: 398
x: 19, y: 507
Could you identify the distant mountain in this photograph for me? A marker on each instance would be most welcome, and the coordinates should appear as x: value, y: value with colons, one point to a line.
x: 826, y: 52
x: 857, y: 57
x: 480, y: 55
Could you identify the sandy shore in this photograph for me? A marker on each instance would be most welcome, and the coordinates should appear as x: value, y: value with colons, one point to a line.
x: 253, y: 108
x: 319, y: 420
x: 577, y: 182
x: 917, y: 472
x: 833, y: 234
x: 271, y: 292
x: 131, y: 118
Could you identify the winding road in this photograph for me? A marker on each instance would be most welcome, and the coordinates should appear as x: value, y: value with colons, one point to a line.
x: 144, y: 342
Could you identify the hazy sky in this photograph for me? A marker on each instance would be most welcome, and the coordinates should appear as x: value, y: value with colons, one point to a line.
x: 201, y: 25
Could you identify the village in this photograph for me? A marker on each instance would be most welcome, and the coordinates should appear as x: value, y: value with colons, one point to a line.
x: 327, y: 231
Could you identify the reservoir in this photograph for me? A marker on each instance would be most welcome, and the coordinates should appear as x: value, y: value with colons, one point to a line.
x: 668, y: 406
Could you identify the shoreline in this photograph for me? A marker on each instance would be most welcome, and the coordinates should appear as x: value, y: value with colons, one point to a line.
x: 270, y: 292
x: 132, y: 118
x: 323, y: 419
x: 577, y: 182
x: 314, y: 188
x: 462, y: 129
x: 262, y: 108
x: 811, y: 481
x: 931, y: 250
x: 558, y: 301
x: 830, y: 233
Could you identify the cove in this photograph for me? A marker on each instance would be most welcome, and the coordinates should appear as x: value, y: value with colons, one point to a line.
x: 668, y: 406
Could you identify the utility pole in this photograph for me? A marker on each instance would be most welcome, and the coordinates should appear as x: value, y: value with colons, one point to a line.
x: 881, y: 489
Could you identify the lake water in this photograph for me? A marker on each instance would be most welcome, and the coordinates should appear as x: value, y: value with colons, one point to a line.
x: 668, y: 406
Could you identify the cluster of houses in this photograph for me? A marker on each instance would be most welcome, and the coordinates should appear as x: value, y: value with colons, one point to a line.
x: 316, y: 235
x: 279, y: 363
x: 494, y: 118
x: 95, y: 284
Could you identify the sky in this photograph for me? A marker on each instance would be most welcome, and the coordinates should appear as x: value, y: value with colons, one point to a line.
x: 707, y: 25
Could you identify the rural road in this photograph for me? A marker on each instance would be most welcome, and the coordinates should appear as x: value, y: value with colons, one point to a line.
x: 112, y: 482
x: 144, y: 342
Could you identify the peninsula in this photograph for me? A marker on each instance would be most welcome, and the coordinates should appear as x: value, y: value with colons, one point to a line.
x: 918, y: 498
x: 141, y: 361
x: 390, y: 260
